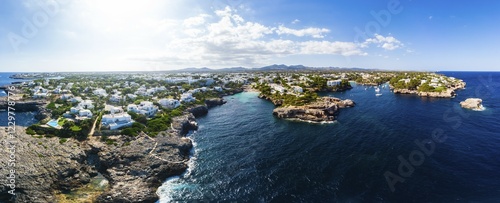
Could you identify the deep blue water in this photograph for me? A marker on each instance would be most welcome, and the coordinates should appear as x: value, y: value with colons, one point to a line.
x: 244, y: 154
x: 21, y: 118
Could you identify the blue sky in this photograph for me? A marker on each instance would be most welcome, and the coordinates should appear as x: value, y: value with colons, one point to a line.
x: 114, y: 35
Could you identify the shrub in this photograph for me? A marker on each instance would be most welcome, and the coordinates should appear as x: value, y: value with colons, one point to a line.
x: 30, y: 131
x: 62, y: 140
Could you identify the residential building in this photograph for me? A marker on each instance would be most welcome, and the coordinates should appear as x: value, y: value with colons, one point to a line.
x: 169, y: 103
x: 187, y: 97
x: 331, y: 83
x: 116, y: 121
x: 145, y: 108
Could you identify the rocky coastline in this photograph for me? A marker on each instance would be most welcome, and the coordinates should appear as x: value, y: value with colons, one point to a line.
x: 325, y: 110
x: 448, y: 93
x: 48, y: 169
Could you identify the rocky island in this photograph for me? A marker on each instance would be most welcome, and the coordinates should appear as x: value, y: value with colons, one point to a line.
x: 475, y: 104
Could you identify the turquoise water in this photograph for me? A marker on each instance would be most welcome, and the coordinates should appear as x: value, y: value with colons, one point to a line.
x: 53, y: 123
x: 244, y: 154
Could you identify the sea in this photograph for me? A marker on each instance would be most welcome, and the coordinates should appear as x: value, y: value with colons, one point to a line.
x: 388, y: 148
x: 21, y: 118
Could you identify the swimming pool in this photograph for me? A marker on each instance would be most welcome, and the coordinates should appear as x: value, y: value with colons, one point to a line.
x: 53, y: 123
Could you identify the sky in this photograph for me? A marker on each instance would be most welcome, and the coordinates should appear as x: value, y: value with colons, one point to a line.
x: 151, y: 35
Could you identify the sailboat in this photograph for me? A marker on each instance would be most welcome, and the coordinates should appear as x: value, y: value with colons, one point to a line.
x: 377, y: 90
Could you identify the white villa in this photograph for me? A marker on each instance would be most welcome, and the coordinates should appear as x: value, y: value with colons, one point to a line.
x: 76, y: 99
x: 83, y: 109
x: 297, y: 89
x: 278, y: 88
x: 333, y: 82
x: 66, y: 96
x: 113, y: 109
x: 41, y: 95
x: 85, y: 113
x: 132, y: 96
x: 100, y: 92
x: 187, y: 97
x: 145, y: 108
x: 116, y: 98
x: 116, y: 121
x: 169, y: 103
x: 218, y: 89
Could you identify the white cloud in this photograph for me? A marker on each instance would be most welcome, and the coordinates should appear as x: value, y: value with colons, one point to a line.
x: 230, y: 40
x: 295, y: 21
x: 195, y: 21
x: 388, y: 43
x: 313, y: 32
x: 327, y: 47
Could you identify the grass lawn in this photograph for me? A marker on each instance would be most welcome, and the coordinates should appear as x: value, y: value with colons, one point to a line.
x: 75, y: 128
x: 61, y: 122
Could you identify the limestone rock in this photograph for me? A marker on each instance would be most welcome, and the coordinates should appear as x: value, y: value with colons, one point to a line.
x: 323, y: 110
x: 472, y: 103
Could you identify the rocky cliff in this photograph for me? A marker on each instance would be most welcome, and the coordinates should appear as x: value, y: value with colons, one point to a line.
x: 214, y: 102
x: 134, y: 166
x: 198, y: 110
x: 323, y: 110
x: 23, y: 106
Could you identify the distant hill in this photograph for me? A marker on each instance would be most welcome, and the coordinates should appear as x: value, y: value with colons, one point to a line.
x: 275, y: 67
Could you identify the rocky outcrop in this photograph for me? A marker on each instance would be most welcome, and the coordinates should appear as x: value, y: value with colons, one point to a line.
x: 42, y: 113
x: 276, y: 102
x: 181, y: 125
x: 323, y: 110
x: 42, y: 166
x: 449, y: 93
x: 134, y: 166
x: 232, y: 91
x: 135, y: 171
x: 212, y: 102
x: 198, y: 110
x: 23, y: 106
x: 473, y: 104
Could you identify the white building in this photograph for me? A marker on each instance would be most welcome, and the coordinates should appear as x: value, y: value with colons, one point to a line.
x: 218, y: 89
x: 297, y: 89
x: 86, y: 104
x: 85, y: 113
x: 331, y: 83
x: 76, y: 99
x: 145, y: 108
x: 132, y: 96
x: 116, y: 98
x: 40, y: 95
x: 66, y: 96
x: 116, y: 121
x: 113, y: 109
x: 100, y: 92
x: 278, y: 88
x: 187, y: 97
x: 169, y: 103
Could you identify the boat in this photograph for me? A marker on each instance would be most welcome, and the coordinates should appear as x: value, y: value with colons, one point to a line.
x: 377, y: 89
x: 378, y: 94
